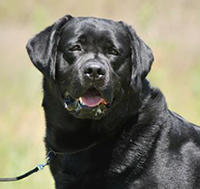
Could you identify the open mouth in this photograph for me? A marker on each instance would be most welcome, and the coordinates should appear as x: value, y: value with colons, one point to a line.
x: 91, y: 101
x: 92, y: 98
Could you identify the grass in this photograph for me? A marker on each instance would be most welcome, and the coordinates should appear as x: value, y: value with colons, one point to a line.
x: 22, y: 128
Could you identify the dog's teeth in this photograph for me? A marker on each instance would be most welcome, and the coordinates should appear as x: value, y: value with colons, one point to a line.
x: 66, y: 106
x: 80, y: 100
x: 98, y: 111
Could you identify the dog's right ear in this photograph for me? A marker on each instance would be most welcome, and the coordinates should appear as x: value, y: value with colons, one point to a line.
x: 43, y: 47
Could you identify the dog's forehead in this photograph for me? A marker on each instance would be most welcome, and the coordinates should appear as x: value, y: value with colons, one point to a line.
x: 94, y: 27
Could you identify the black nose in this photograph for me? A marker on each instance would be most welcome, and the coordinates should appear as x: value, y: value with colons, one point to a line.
x: 94, y: 71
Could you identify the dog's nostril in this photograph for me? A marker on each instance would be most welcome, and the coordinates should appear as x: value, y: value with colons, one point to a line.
x: 101, y: 71
x: 94, y: 71
x: 88, y: 70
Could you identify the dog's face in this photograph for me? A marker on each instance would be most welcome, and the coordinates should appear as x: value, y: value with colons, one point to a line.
x: 93, y: 66
x: 92, y: 63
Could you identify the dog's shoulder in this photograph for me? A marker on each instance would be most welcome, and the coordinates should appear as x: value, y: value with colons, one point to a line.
x: 182, y: 131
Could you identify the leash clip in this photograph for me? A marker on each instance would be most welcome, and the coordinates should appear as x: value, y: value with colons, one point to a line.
x: 51, y: 155
x: 41, y: 166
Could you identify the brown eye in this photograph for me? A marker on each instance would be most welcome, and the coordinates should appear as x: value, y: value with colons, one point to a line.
x: 114, y: 52
x: 75, y: 48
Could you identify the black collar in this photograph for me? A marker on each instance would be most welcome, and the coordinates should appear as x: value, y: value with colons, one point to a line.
x: 54, y: 153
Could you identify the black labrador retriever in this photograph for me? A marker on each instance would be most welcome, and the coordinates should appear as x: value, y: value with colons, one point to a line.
x: 108, y: 128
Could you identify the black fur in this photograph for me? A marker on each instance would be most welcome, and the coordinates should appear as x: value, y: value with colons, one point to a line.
x: 143, y: 145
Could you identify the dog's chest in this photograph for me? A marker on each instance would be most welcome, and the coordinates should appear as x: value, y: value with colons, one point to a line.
x: 84, y: 170
x: 86, y: 163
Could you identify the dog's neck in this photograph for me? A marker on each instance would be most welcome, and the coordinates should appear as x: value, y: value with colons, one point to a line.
x: 79, y: 133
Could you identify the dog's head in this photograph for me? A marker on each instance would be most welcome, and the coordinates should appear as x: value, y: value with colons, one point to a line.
x: 93, y: 63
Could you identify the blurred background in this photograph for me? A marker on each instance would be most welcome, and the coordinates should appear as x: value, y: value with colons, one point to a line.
x: 171, y: 28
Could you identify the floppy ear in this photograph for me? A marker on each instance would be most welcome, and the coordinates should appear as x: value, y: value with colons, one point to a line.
x: 141, y: 58
x: 43, y: 47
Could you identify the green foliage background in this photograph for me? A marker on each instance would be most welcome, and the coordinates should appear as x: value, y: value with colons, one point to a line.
x: 171, y: 28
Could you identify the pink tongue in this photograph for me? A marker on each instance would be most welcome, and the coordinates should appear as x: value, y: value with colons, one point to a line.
x: 91, y: 101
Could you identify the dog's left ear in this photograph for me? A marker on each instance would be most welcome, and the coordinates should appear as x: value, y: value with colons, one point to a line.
x: 141, y: 58
x: 42, y: 48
